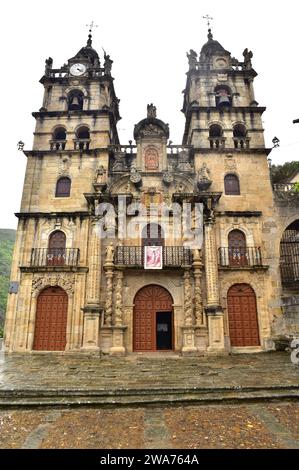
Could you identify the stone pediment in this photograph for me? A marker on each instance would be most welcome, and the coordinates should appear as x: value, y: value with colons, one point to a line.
x: 151, y: 127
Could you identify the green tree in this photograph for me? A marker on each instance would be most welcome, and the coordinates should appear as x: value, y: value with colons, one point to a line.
x: 7, y: 239
x: 280, y: 173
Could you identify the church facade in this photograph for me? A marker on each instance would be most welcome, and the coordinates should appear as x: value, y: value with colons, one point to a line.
x: 149, y: 246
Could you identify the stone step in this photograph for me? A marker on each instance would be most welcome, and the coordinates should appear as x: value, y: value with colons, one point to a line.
x: 126, y: 397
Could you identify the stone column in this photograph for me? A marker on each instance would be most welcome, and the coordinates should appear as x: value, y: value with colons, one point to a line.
x: 91, y: 325
x: 188, y: 328
x: 118, y: 348
x: 213, y: 309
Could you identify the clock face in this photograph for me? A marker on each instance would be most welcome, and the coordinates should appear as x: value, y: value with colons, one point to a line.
x: 77, y: 69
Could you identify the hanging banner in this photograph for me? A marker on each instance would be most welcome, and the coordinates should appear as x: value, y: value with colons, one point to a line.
x: 153, y: 257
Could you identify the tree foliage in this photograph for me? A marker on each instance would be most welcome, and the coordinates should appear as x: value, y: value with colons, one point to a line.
x: 280, y: 173
x: 7, y: 239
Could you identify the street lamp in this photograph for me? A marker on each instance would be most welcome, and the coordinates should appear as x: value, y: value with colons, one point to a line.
x: 275, y: 142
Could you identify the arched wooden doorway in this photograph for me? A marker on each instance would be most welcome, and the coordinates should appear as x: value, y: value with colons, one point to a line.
x: 51, y: 320
x: 242, y: 316
x: 153, y: 319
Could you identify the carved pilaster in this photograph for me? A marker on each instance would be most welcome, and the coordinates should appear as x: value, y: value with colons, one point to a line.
x: 188, y: 314
x: 188, y: 328
x: 197, y: 268
x: 118, y: 314
x: 94, y: 273
x: 109, y: 296
x: 211, y: 265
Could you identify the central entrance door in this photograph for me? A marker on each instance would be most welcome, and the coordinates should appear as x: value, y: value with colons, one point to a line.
x: 153, y: 320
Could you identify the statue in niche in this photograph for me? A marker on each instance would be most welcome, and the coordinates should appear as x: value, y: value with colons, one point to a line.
x: 192, y: 59
x: 119, y: 163
x: 151, y: 159
x: 247, y: 59
x: 183, y: 161
x: 151, y: 111
x: 109, y: 253
x: 204, y: 180
x: 100, y: 177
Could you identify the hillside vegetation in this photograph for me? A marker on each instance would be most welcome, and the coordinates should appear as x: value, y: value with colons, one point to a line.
x: 7, y: 239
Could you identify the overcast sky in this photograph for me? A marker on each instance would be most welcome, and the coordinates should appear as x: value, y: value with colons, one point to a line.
x: 147, y: 41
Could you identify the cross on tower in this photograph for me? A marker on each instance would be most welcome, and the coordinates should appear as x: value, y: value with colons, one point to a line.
x: 91, y: 26
x: 208, y: 18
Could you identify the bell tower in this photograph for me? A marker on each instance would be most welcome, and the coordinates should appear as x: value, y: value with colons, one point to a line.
x: 219, y: 102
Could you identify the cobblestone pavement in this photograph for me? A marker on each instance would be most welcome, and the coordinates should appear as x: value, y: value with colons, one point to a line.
x: 251, y: 426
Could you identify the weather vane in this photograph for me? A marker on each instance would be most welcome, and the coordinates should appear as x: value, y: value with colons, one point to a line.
x: 208, y: 18
x: 91, y: 26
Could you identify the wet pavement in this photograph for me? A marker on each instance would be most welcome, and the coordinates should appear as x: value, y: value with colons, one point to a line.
x: 250, y: 426
x: 77, y: 379
x: 78, y: 401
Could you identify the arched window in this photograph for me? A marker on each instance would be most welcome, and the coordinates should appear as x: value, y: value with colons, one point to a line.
x: 56, y: 254
x: 215, y: 136
x: 215, y: 130
x: 63, y: 187
x: 152, y: 235
x: 289, y: 256
x: 223, y: 96
x: 58, y: 139
x: 83, y: 138
x: 83, y: 133
x: 231, y: 185
x: 239, y: 134
x: 59, y: 133
x: 237, y: 252
x: 239, y: 130
x: 75, y: 100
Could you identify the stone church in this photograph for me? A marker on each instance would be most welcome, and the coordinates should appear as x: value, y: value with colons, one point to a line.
x: 81, y: 282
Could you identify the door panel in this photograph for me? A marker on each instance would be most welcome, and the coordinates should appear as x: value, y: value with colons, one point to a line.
x: 51, y: 320
x: 148, y: 301
x: 242, y: 316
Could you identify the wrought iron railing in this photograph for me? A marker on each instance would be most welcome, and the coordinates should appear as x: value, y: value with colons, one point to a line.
x: 240, y: 257
x: 133, y: 256
x: 42, y: 257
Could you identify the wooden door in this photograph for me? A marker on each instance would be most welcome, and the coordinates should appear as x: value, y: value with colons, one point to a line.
x: 56, y: 249
x: 237, y: 248
x: 148, y: 301
x: 152, y: 235
x: 51, y: 320
x: 242, y: 316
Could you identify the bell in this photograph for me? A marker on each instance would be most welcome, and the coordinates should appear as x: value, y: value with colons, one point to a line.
x: 75, y: 103
x: 223, y: 101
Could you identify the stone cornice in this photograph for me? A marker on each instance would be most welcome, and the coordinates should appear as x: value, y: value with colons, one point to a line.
x: 239, y: 214
x: 51, y: 215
